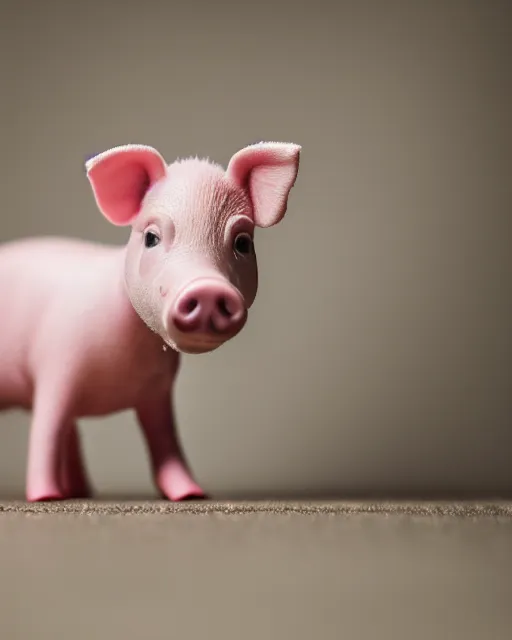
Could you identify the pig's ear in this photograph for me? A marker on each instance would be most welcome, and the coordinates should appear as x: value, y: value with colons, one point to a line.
x: 120, y: 178
x: 267, y: 171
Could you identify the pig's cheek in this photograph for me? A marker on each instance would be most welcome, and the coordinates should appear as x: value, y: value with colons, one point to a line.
x: 150, y: 263
x: 146, y: 275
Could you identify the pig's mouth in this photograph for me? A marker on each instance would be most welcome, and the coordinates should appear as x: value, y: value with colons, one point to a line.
x: 198, y: 343
x: 201, y: 348
x: 195, y: 346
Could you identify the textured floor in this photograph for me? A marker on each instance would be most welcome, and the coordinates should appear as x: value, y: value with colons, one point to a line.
x: 200, y: 507
x: 255, y: 570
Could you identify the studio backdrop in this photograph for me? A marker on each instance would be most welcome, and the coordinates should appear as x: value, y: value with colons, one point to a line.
x: 378, y: 356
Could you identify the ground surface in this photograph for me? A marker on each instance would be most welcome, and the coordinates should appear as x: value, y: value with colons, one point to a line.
x: 84, y: 570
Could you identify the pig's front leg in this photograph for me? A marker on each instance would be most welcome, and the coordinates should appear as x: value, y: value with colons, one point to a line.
x: 172, y: 476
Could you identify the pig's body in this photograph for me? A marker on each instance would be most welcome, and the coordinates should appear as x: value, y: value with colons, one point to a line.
x: 70, y: 338
x: 90, y: 330
x: 66, y: 312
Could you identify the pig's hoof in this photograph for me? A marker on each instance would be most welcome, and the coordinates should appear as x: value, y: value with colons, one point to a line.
x: 186, y: 496
x: 176, y: 484
x: 182, y: 494
x: 190, y: 497
x: 46, y: 496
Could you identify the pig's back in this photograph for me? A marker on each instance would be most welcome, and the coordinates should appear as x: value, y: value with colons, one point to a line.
x: 49, y: 259
x: 33, y: 270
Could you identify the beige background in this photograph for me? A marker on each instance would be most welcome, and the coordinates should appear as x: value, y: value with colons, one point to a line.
x: 378, y: 356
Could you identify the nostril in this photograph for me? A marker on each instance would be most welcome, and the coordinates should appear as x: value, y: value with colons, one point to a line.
x: 191, y: 305
x: 223, y: 307
x: 186, y: 315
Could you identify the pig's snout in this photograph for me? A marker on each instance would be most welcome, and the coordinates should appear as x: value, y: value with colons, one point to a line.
x: 209, y: 307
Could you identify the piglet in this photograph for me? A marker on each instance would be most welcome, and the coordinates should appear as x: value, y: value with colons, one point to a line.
x: 89, y: 329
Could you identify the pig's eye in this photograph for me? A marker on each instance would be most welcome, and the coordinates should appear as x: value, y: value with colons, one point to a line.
x: 243, y: 244
x: 150, y: 239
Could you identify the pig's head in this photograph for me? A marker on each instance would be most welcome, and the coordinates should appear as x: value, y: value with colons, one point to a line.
x: 190, y: 268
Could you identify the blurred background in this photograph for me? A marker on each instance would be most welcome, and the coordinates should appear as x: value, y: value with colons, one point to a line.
x: 377, y: 359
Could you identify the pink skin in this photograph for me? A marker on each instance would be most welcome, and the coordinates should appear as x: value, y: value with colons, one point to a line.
x: 90, y: 329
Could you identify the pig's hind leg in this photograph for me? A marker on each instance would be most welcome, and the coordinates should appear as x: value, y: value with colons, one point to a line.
x: 171, y: 474
x: 74, y: 478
